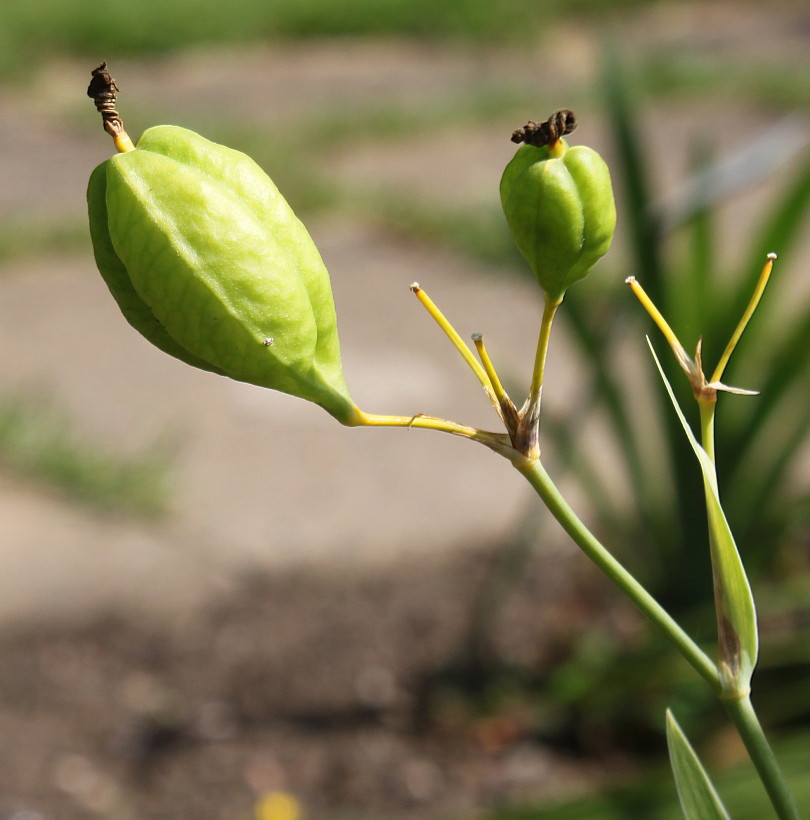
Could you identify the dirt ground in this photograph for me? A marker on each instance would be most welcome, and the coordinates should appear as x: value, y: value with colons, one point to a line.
x: 279, y: 629
x: 322, y: 687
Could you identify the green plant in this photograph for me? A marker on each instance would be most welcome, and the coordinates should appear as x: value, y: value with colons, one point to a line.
x: 659, y: 526
x: 152, y: 27
x: 559, y: 204
x: 701, y: 289
x: 162, y: 232
x: 37, y: 442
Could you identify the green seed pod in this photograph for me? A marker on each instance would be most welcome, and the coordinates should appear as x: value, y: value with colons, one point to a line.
x: 207, y: 260
x: 559, y: 204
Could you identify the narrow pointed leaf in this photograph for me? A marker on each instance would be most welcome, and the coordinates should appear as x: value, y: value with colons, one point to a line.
x: 699, y: 799
x: 736, y: 615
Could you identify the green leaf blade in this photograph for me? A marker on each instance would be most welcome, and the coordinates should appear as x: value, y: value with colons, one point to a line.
x: 699, y: 798
x: 734, y: 601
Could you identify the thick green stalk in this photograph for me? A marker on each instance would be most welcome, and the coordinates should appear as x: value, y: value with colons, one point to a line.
x: 537, y: 476
x: 745, y: 719
x: 707, y: 425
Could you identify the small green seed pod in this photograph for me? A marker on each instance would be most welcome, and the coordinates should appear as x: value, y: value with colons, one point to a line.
x: 208, y: 261
x: 559, y: 205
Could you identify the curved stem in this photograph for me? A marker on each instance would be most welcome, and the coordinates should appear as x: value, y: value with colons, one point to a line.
x: 496, y: 441
x: 536, y: 475
x: 745, y: 719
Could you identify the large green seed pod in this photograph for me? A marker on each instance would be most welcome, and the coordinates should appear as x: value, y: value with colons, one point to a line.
x: 559, y: 205
x: 207, y: 260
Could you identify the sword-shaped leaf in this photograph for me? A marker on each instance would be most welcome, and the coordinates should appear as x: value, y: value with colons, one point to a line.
x: 734, y: 603
x: 699, y: 799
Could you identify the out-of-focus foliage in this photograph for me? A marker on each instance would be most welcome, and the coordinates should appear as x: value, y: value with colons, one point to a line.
x: 653, y: 796
x: 699, y: 798
x: 761, y: 441
x: 37, y: 442
x: 606, y: 693
x: 28, y: 31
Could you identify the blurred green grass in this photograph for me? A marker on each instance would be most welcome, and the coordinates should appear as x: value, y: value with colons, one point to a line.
x: 50, y: 28
x: 38, y: 442
x: 27, y: 237
x: 652, y: 796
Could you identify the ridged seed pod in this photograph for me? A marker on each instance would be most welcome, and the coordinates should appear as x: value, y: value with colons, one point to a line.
x: 559, y: 204
x: 208, y: 261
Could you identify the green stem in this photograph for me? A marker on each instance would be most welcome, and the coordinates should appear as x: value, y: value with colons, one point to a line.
x: 745, y: 719
x: 707, y: 425
x: 741, y: 710
x: 536, y: 475
x: 542, y: 347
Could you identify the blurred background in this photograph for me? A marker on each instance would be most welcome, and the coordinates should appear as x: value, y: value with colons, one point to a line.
x: 211, y: 593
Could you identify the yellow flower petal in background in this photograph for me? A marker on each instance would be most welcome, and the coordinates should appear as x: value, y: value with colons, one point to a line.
x: 278, y: 806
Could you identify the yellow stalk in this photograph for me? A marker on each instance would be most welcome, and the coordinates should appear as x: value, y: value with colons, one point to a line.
x: 746, y: 317
x: 453, y: 335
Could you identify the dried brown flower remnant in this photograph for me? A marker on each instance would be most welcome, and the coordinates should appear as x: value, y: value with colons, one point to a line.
x: 557, y: 125
x: 102, y: 90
